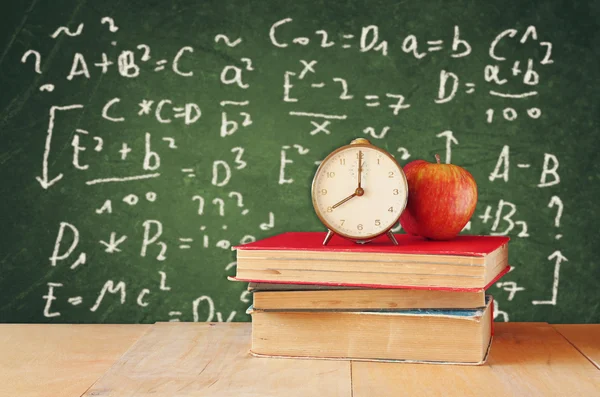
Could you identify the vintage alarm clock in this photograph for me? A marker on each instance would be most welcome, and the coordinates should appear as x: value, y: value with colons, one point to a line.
x: 359, y: 192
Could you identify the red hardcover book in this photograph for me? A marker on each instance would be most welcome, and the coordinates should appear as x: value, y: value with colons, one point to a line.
x: 466, y: 263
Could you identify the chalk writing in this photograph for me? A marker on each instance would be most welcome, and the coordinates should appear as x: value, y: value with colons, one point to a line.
x: 215, y: 199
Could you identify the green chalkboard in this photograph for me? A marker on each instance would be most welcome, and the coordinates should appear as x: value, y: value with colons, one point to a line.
x: 151, y: 136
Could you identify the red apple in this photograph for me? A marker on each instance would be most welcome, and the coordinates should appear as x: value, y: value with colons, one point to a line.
x: 441, y: 199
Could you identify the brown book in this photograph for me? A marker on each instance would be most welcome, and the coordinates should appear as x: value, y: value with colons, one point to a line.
x: 436, y: 336
x: 464, y: 263
x: 316, y: 297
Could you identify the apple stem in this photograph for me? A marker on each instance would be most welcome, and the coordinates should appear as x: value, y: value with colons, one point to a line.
x: 437, y: 157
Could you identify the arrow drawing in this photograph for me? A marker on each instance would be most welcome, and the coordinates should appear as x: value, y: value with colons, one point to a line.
x: 44, y: 181
x: 559, y: 258
x: 449, y: 141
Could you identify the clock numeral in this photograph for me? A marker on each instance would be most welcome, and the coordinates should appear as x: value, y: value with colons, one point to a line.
x: 395, y: 192
x: 342, y: 161
x: 329, y: 209
x: 359, y: 226
x: 331, y: 174
x: 391, y: 209
x: 324, y: 192
x: 391, y: 174
x: 378, y: 161
x: 342, y: 220
x: 377, y: 222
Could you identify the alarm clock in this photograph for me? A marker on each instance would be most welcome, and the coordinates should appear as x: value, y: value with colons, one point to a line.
x: 359, y: 192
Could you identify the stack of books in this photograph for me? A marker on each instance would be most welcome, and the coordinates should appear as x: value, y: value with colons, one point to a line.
x: 420, y: 301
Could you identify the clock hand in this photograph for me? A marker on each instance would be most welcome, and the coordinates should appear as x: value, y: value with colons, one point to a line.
x: 358, y: 192
x: 344, y: 200
x: 359, y: 168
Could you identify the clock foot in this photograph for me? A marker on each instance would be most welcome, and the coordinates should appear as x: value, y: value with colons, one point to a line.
x: 391, y: 236
x: 328, y: 237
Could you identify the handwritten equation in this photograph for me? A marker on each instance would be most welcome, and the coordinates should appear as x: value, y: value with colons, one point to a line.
x: 221, y: 205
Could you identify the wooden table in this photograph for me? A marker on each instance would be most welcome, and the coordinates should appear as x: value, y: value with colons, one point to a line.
x: 211, y: 359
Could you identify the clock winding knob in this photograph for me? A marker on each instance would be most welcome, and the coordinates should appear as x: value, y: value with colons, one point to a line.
x: 359, y: 141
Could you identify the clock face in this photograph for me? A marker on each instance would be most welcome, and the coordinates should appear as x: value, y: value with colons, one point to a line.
x: 359, y: 191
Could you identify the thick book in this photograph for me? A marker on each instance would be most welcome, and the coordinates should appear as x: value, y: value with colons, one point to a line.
x: 432, y: 336
x: 467, y: 263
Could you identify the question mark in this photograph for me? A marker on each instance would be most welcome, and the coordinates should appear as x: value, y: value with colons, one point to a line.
x: 37, y: 60
x: 221, y: 205
x: 146, y: 49
x: 556, y: 201
x: 201, y: 204
x: 240, y: 202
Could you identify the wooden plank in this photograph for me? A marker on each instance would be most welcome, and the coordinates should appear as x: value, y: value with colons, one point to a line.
x: 212, y: 359
x: 59, y: 359
x: 585, y: 337
x: 528, y: 359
